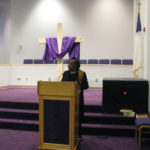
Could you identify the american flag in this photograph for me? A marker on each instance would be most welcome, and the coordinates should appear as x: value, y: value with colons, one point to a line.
x: 138, y: 48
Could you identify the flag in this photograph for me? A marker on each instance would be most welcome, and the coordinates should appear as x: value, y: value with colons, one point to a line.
x: 138, y: 48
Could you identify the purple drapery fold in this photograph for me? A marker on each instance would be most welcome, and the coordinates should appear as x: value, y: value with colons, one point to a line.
x: 68, y: 46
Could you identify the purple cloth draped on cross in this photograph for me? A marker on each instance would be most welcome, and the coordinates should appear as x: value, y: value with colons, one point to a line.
x: 68, y: 46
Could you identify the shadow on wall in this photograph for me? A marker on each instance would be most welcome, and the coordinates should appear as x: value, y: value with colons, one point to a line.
x: 4, y: 16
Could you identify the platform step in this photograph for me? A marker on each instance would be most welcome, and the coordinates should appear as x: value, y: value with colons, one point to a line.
x: 19, y: 113
x: 19, y: 124
x: 108, y: 118
x: 93, y: 108
x: 19, y: 105
x: 107, y: 129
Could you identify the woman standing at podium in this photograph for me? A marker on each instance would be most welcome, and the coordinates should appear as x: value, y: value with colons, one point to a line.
x: 75, y: 74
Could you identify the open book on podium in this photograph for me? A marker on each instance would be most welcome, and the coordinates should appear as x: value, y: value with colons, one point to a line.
x: 58, y: 115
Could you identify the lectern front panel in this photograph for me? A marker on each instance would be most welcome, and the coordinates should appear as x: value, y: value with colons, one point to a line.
x: 56, y: 121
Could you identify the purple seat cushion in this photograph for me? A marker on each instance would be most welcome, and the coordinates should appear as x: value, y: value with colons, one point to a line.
x: 127, y: 61
x: 116, y: 61
x: 92, y: 61
x: 66, y: 61
x: 28, y: 61
x: 38, y: 61
x: 49, y: 61
x: 83, y: 61
x: 104, y: 61
x: 142, y: 121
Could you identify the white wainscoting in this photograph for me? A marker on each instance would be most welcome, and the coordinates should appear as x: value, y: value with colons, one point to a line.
x: 30, y: 74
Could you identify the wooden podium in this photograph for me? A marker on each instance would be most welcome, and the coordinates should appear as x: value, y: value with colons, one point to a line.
x: 58, y: 115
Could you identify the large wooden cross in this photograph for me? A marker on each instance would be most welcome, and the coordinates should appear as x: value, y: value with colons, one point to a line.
x: 59, y: 41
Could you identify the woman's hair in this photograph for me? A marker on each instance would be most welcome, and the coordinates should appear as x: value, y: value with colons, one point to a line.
x: 76, y: 61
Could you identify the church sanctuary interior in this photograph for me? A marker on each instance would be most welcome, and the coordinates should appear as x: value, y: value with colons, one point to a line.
x: 39, y: 111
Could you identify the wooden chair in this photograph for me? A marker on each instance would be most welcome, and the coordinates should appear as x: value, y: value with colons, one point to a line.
x: 142, y: 127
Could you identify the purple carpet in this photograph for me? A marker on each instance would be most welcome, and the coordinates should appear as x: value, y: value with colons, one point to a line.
x: 26, y: 140
x: 92, y: 97
x: 19, y: 95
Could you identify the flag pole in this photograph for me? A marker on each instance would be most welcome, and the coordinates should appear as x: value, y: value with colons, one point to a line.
x: 138, y: 47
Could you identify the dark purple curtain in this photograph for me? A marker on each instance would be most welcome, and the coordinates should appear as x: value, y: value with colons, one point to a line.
x: 68, y: 46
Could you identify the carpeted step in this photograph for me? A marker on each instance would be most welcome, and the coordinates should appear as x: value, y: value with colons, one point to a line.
x: 107, y: 129
x: 93, y: 108
x: 19, y: 105
x: 19, y: 111
x: 19, y: 124
x: 108, y: 118
x: 19, y: 114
